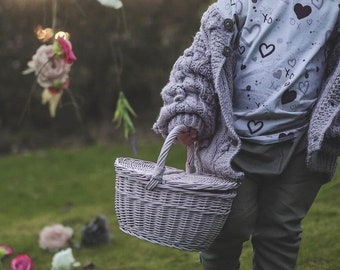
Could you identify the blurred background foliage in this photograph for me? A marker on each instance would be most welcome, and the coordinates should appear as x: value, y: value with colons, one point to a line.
x: 130, y: 49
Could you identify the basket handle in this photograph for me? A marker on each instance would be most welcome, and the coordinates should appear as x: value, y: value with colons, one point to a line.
x: 160, y: 166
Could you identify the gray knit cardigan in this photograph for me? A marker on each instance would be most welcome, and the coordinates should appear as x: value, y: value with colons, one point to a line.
x: 199, y: 95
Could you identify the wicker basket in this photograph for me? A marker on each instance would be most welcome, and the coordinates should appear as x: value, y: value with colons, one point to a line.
x: 168, y: 206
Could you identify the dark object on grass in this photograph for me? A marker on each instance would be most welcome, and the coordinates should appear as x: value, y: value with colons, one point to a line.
x: 96, y: 233
x: 89, y: 266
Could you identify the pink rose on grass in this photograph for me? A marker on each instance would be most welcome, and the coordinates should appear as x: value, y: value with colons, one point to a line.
x: 49, y: 68
x: 5, y: 251
x: 55, y: 237
x: 22, y: 262
x: 63, y: 47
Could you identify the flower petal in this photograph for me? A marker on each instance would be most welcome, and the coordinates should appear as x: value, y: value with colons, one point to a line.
x: 111, y: 3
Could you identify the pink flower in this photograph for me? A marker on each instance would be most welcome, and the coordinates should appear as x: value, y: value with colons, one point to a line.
x: 49, y: 68
x: 66, y: 49
x: 55, y: 237
x: 22, y: 262
x: 6, y: 250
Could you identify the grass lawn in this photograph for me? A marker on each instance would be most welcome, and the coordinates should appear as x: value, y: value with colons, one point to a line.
x: 72, y: 187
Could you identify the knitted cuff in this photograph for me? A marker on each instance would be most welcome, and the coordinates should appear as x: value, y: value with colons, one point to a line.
x: 189, y: 120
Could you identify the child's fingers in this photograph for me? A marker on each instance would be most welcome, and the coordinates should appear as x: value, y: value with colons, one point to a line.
x: 188, y: 137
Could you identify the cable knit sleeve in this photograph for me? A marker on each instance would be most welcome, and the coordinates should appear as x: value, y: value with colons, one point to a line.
x: 189, y: 96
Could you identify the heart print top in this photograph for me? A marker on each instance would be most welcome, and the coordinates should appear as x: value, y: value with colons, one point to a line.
x: 281, y: 60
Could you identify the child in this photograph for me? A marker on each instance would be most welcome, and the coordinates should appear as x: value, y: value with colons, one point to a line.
x: 259, y: 90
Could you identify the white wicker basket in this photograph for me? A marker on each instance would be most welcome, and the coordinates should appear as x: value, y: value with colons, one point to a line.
x: 168, y: 206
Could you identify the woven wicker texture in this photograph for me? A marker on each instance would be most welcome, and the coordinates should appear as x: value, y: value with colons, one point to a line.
x: 179, y: 209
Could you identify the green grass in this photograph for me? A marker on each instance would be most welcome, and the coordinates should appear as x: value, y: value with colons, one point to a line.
x: 73, y: 186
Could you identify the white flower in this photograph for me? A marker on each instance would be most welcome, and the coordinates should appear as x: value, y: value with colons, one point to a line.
x: 64, y: 260
x: 111, y: 3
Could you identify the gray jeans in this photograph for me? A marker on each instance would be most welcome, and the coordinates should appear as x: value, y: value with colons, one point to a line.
x: 274, y: 197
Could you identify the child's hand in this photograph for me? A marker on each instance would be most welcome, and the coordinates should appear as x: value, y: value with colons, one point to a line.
x: 188, y: 137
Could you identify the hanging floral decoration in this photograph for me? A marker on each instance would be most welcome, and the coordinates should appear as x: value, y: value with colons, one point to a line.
x: 52, y: 65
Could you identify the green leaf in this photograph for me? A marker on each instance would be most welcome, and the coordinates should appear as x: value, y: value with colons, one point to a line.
x: 2, y: 253
x: 128, y: 107
x: 122, y: 115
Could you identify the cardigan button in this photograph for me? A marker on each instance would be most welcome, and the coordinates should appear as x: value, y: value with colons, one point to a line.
x: 229, y: 25
x: 227, y: 51
x: 232, y: 141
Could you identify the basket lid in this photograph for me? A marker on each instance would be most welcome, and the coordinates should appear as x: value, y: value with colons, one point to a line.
x: 173, y: 177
